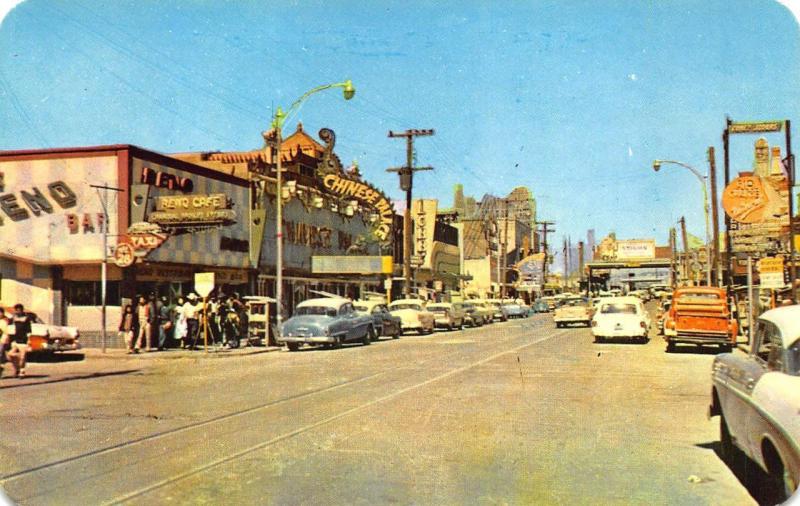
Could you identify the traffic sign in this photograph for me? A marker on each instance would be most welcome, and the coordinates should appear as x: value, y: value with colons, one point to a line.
x: 203, y: 283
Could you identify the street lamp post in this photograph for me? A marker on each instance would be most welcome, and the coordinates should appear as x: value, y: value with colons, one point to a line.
x: 277, y: 125
x: 656, y: 166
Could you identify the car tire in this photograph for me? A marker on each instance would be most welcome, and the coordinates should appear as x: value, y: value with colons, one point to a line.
x: 337, y: 343
x: 368, y: 337
x: 670, y: 347
x: 293, y: 346
x: 397, y: 333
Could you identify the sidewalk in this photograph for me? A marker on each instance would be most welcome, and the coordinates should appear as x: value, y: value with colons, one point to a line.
x: 177, y: 353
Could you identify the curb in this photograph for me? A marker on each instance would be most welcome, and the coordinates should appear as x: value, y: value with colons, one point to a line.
x: 176, y: 354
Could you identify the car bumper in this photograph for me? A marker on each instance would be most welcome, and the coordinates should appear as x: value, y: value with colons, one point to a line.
x: 306, y: 339
x: 59, y: 346
x: 572, y: 320
x: 443, y: 322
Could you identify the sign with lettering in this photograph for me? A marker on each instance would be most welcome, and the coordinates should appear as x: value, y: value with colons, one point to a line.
x: 333, y: 264
x: 124, y: 255
x: 745, y: 199
x: 770, y: 272
x: 49, y: 213
x: 755, y: 127
x: 174, y: 211
x: 636, y: 249
x: 368, y: 196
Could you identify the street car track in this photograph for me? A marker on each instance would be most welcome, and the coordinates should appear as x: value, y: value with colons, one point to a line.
x: 207, y: 425
x: 210, y: 465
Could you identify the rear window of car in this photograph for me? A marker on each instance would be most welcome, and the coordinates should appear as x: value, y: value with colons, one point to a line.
x: 693, y: 295
x: 316, y: 310
x: 416, y: 307
x: 618, y: 309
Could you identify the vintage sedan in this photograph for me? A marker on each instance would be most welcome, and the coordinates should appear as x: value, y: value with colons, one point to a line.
x: 619, y: 317
x: 473, y: 316
x: 447, y: 315
x: 514, y: 309
x: 413, y: 315
x: 329, y: 321
x: 757, y: 398
x: 384, y: 322
x: 499, y: 312
x: 46, y: 338
x: 573, y: 310
x: 540, y: 306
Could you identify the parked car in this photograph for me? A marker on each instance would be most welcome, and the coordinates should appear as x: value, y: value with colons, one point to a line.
x: 540, y: 306
x: 573, y: 310
x: 448, y: 315
x: 619, y: 317
x: 757, y: 398
x: 513, y: 309
x: 46, y: 338
x: 484, y: 310
x: 472, y: 315
x: 498, y: 311
x: 551, y: 302
x: 329, y: 321
x: 661, y: 314
x: 413, y: 315
x: 384, y: 322
x: 700, y: 315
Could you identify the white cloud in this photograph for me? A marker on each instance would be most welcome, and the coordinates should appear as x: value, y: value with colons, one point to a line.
x: 633, y: 77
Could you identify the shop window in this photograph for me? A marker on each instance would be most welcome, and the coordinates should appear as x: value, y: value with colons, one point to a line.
x: 89, y: 293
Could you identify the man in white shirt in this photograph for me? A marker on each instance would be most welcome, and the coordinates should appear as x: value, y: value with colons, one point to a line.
x: 191, y: 311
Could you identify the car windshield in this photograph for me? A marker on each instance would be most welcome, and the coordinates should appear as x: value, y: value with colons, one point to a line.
x: 573, y: 302
x: 618, y: 309
x: 436, y: 307
x: 415, y: 307
x: 316, y: 310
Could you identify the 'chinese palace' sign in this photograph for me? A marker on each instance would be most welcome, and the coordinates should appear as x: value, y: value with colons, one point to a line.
x: 366, y: 194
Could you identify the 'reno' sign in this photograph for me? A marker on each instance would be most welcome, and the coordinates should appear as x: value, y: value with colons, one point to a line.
x: 203, y: 283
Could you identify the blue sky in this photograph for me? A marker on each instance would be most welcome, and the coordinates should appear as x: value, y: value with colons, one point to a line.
x: 573, y: 99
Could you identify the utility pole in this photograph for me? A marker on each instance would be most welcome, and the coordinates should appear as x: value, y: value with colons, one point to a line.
x: 673, y: 245
x: 545, y: 231
x: 791, y: 177
x: 504, y: 249
x: 682, y: 221
x: 712, y: 174
x: 406, y: 184
x: 566, y: 264
x: 104, y: 265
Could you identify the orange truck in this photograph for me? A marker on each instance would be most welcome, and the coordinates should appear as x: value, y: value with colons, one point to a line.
x: 700, y: 315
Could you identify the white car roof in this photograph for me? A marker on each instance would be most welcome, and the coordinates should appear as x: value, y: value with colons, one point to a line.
x: 408, y: 301
x: 787, y: 319
x: 334, y: 303
x: 620, y: 300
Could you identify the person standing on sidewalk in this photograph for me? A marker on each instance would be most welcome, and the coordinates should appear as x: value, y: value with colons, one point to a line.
x: 191, y: 312
x: 19, y: 342
x: 164, y: 322
x: 129, y: 328
x: 180, y: 323
x: 143, y: 320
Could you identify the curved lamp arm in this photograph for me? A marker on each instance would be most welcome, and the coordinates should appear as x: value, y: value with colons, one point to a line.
x: 280, y: 117
x: 657, y: 166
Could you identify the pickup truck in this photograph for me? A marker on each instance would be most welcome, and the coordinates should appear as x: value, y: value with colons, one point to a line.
x: 573, y: 310
x: 700, y: 315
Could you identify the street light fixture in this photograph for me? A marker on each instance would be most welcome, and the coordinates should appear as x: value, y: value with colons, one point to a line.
x: 703, y: 182
x: 277, y: 125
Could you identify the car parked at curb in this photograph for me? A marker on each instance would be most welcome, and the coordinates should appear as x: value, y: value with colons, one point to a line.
x: 413, y: 315
x: 329, y: 321
x: 447, y: 315
x: 473, y: 316
x: 498, y: 311
x: 514, y: 309
x: 384, y: 322
x: 757, y: 398
x: 46, y: 338
x: 540, y: 306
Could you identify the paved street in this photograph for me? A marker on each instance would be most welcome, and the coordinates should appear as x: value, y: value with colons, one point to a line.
x: 515, y: 413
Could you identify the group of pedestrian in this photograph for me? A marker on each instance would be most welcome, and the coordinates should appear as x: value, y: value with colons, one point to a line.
x: 154, y: 318
x: 14, y: 333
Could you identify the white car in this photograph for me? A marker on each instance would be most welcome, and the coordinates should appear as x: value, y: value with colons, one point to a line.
x: 448, y: 315
x: 413, y: 315
x: 757, y: 397
x: 620, y: 317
